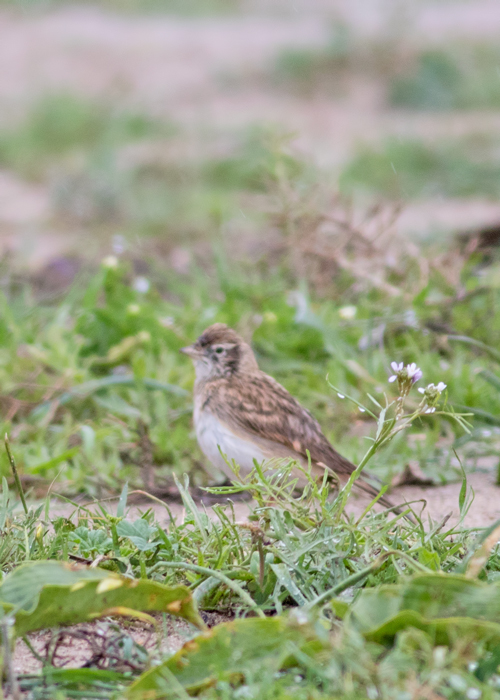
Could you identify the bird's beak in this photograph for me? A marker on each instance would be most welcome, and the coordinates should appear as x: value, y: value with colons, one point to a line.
x: 191, y: 351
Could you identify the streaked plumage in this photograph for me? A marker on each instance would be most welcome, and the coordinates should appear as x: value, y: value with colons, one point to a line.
x: 249, y: 415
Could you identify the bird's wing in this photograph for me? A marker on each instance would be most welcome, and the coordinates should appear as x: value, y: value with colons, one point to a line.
x: 259, y: 405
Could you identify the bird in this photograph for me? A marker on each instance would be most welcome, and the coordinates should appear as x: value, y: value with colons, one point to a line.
x: 245, y: 414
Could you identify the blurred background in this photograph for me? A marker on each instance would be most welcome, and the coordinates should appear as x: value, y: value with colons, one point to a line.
x: 322, y: 174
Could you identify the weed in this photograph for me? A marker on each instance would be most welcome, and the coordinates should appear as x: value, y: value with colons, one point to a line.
x: 61, y: 124
x: 287, y: 555
x: 412, y: 169
x: 310, y: 70
x: 464, y: 77
x: 329, y: 69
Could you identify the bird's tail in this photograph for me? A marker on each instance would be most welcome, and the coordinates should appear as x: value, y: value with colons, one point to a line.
x: 368, y: 484
x: 370, y: 490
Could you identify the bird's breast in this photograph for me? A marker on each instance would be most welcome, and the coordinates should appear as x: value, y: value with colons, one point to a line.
x: 215, y: 437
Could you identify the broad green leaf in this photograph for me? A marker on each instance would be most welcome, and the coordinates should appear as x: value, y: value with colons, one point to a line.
x: 228, y: 651
x: 49, y: 593
x: 142, y: 535
x: 429, y: 559
x: 442, y: 605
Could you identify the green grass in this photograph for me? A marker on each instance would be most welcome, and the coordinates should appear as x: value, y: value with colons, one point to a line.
x: 96, y: 399
x: 107, y: 166
x: 311, y: 69
x: 409, y: 168
x: 62, y: 125
x: 458, y: 78
x: 81, y: 376
x: 327, y: 69
x: 299, y: 553
x: 454, y: 77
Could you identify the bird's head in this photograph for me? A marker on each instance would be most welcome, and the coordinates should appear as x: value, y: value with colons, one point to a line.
x: 220, y: 352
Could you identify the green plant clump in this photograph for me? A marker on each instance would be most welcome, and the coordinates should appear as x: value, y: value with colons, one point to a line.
x: 464, y: 77
x: 408, y: 169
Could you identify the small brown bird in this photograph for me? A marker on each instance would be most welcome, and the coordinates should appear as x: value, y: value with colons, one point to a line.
x: 245, y: 414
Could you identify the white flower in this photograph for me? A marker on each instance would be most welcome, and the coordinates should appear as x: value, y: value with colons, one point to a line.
x: 110, y: 262
x: 141, y: 285
x: 473, y: 694
x: 341, y: 396
x: 430, y: 410
x: 362, y: 409
x: 395, y: 368
x: 347, y: 312
x: 432, y: 388
x: 414, y: 372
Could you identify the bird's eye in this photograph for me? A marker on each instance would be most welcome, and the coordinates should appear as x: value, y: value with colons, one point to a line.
x: 219, y: 350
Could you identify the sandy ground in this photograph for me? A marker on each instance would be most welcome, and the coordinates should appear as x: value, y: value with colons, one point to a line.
x: 429, y: 501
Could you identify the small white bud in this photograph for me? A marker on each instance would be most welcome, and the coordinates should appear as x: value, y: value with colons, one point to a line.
x: 141, y: 285
x: 110, y: 262
x: 347, y: 312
